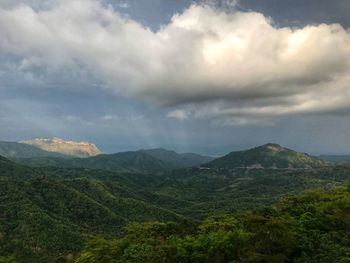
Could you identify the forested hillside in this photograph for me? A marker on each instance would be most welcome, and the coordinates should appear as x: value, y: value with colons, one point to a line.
x: 267, y: 156
x: 313, y: 227
x: 46, y: 213
x: 20, y: 150
x: 51, y: 213
x: 133, y: 162
x: 178, y: 160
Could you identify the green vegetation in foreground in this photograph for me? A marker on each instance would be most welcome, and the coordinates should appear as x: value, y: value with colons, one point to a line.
x: 313, y: 227
x: 47, y: 214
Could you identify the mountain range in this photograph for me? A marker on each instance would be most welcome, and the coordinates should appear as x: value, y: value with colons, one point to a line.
x: 136, y: 161
x: 158, y: 160
x: 59, y: 153
x: 50, y: 208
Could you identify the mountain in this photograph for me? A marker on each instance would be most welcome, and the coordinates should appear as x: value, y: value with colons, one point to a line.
x: 135, y: 162
x: 71, y: 148
x: 48, y: 212
x: 20, y: 150
x: 176, y: 159
x: 266, y: 156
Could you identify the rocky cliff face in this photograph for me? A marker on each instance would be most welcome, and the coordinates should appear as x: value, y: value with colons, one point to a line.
x: 78, y: 149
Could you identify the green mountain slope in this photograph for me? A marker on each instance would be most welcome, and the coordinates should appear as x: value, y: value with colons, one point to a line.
x: 46, y: 213
x: 132, y: 162
x: 20, y: 150
x: 128, y: 161
x: 176, y: 159
x: 14, y: 170
x: 266, y: 156
x: 225, y: 190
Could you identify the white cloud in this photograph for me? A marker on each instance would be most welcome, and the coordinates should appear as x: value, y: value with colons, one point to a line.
x: 108, y: 118
x: 130, y: 117
x: 123, y: 5
x: 37, y: 4
x: 178, y: 114
x: 235, y: 65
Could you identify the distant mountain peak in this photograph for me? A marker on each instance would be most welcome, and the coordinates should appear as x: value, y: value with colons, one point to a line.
x: 73, y: 148
x: 272, y: 145
x: 160, y: 149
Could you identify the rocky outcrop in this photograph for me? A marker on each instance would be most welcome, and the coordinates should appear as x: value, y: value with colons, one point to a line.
x: 72, y: 148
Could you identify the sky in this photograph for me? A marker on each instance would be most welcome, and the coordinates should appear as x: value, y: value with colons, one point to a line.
x: 200, y: 76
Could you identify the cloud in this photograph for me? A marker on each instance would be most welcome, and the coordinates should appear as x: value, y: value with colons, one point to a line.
x: 123, y: 5
x: 221, y: 65
x: 108, y: 118
x: 178, y: 114
x: 126, y: 118
x: 36, y: 4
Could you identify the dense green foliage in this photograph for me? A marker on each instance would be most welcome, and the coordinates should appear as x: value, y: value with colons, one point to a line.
x: 266, y: 156
x: 314, y: 227
x: 213, y: 190
x: 47, y: 214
